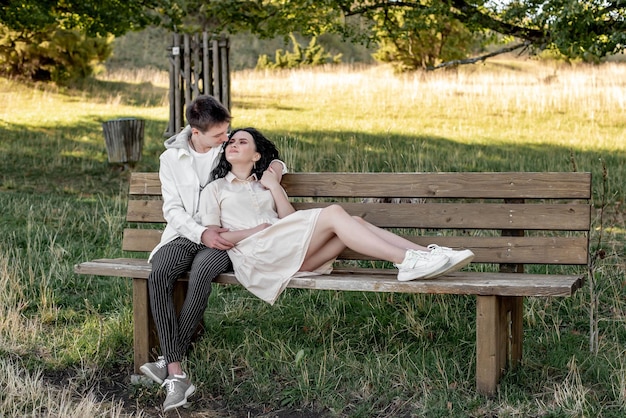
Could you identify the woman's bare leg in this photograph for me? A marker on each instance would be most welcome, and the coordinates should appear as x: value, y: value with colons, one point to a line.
x: 392, y: 238
x: 334, y: 220
x: 317, y: 255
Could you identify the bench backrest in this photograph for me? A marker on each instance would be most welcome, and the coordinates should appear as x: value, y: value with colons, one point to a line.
x: 505, y: 218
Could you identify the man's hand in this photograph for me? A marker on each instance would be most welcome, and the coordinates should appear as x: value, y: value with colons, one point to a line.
x: 211, y: 238
x: 277, y: 169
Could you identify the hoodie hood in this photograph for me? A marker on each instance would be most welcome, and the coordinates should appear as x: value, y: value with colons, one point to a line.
x: 180, y: 140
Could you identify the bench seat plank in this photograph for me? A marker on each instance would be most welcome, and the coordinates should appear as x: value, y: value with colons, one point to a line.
x: 380, y: 280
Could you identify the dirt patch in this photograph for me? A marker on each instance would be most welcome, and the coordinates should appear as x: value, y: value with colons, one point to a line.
x: 146, y: 399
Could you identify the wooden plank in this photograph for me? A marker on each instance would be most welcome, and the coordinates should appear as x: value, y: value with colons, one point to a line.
x: 371, y: 280
x: 148, y: 211
x: 426, y: 185
x: 141, y: 324
x: 568, y: 217
x: 515, y: 308
x: 490, y: 347
x: 145, y: 183
x: 441, y: 185
x: 558, y: 217
x: 141, y: 240
x: 527, y: 250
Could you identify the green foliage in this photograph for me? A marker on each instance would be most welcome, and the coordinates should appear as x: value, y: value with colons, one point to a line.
x: 59, y: 41
x: 589, y: 29
x: 410, y: 39
x: 311, y: 55
x: 51, y: 54
x: 102, y: 17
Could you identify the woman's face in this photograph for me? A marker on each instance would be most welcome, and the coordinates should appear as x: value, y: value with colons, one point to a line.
x: 241, y: 148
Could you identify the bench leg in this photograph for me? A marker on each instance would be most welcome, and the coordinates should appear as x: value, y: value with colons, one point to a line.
x: 515, y: 307
x: 141, y: 323
x: 498, y: 339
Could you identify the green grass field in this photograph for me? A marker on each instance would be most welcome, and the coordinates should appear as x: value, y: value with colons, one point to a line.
x: 66, y: 340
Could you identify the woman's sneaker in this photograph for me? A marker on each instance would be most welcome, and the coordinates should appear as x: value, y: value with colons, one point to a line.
x: 457, y: 259
x: 156, y: 371
x: 419, y: 264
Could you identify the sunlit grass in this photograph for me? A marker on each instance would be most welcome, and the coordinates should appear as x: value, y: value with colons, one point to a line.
x: 489, y: 107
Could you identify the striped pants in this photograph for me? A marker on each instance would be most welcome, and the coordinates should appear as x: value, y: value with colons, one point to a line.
x: 168, y: 264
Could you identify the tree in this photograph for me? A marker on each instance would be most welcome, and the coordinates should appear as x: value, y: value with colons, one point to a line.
x: 64, y: 40
x: 588, y: 29
x: 92, y: 17
x: 411, y: 39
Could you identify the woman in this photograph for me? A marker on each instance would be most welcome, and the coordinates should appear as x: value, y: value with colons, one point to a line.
x: 274, y: 242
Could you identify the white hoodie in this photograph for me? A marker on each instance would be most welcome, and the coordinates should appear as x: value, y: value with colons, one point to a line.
x: 180, y: 187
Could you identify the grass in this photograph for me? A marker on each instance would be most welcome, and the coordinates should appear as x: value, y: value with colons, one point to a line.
x: 66, y: 340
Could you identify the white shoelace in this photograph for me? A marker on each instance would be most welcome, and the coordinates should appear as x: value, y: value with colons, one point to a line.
x: 169, y: 383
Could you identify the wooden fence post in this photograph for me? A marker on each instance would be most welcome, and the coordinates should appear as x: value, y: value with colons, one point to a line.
x: 199, y: 66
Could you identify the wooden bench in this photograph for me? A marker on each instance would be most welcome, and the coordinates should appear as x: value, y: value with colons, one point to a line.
x: 508, y: 219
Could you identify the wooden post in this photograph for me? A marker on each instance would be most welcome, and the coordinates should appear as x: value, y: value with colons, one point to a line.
x: 216, y: 68
x: 514, y: 305
x: 178, y: 105
x: 187, y: 68
x: 491, y: 343
x: 141, y: 323
x: 205, y: 70
x: 224, y: 73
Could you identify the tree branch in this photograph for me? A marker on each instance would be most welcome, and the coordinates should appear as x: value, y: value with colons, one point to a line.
x: 464, y: 12
x: 480, y: 58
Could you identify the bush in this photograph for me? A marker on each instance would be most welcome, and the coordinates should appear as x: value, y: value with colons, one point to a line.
x: 312, y: 55
x: 51, y: 54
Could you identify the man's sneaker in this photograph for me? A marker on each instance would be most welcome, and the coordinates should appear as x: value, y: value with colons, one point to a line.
x: 179, y: 388
x: 418, y: 264
x: 457, y: 259
x: 156, y: 371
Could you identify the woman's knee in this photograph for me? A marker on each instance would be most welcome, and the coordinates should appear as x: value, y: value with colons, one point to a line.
x: 335, y: 210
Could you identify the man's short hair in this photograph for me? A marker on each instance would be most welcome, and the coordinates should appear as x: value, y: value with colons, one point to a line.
x: 206, y: 111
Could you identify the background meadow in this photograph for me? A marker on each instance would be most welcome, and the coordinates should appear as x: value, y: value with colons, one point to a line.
x: 66, y: 340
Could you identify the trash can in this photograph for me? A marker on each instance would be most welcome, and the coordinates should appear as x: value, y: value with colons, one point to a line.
x: 124, y: 139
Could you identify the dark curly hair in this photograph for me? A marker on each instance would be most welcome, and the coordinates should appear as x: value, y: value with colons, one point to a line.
x: 263, y: 146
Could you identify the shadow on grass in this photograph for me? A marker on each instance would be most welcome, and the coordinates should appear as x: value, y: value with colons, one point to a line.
x: 130, y: 94
x: 72, y: 158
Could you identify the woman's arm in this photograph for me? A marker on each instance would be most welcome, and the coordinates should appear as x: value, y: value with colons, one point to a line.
x: 270, y: 182
x: 236, y: 236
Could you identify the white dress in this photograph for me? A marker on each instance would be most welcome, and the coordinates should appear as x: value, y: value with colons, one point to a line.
x: 266, y: 261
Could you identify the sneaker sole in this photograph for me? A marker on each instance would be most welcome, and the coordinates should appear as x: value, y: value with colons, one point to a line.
x: 459, y: 265
x: 151, y: 375
x: 190, y: 391
x: 420, y: 276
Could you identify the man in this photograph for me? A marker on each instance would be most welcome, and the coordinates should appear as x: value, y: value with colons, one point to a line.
x: 186, y: 245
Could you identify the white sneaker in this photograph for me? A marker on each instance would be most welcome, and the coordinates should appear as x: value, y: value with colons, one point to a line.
x: 457, y: 259
x: 418, y: 264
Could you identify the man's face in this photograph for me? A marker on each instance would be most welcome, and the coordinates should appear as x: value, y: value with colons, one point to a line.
x: 213, y: 137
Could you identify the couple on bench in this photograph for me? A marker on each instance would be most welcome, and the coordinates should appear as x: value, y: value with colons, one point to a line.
x: 225, y: 209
